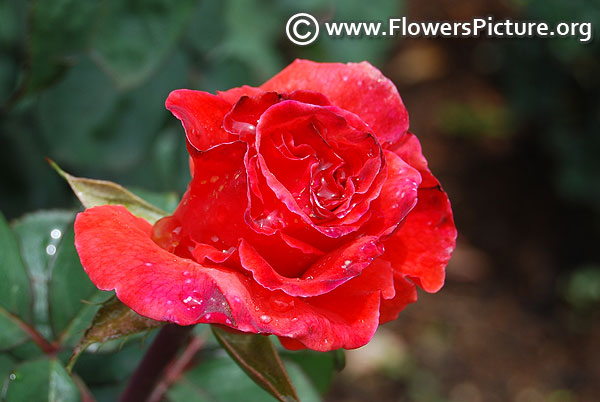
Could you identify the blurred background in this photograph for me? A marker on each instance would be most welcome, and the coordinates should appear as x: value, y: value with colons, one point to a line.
x: 510, y: 126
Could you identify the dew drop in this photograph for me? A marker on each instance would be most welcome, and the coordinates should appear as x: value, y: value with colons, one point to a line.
x: 214, y: 238
x: 281, y: 302
x: 294, y: 319
x: 192, y: 302
x: 265, y: 319
x: 50, y: 249
x: 55, y: 234
x: 12, y: 376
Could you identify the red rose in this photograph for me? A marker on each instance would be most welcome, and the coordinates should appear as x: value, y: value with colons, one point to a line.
x: 311, y: 214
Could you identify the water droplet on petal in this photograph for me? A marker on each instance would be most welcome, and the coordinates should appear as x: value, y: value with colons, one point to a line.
x: 265, y: 319
x: 192, y: 302
x: 281, y: 302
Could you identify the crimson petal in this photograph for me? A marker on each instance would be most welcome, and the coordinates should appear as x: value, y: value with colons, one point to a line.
x: 326, y: 274
x: 202, y: 115
x: 422, y: 246
x: 117, y: 253
x: 357, y: 87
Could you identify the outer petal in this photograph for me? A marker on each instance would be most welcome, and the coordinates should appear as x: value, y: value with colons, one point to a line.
x: 357, y: 87
x: 117, y: 253
x: 234, y: 94
x: 202, y: 115
x: 422, y: 246
x: 355, y: 301
x: 406, y: 293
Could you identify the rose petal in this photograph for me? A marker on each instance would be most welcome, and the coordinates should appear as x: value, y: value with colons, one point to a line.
x: 117, y: 253
x: 202, y: 115
x: 406, y: 293
x: 397, y: 197
x: 232, y: 95
x: 355, y: 300
x: 357, y: 87
x: 326, y: 274
x: 303, y: 119
x: 422, y: 246
x: 244, y: 116
x: 212, y: 209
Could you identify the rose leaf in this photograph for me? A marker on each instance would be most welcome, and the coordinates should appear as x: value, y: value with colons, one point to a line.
x: 113, y: 320
x: 133, y: 39
x: 93, y: 193
x: 15, y: 289
x: 45, y: 378
x: 257, y: 356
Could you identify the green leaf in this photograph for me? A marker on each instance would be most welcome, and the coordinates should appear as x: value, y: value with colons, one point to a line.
x: 60, y: 285
x: 93, y: 193
x: 40, y: 235
x: 15, y: 291
x: 253, y: 29
x: 167, y: 201
x: 114, y: 320
x: 59, y: 29
x: 11, y: 333
x: 41, y: 380
x: 69, y: 285
x: 88, y: 123
x: 70, y: 112
x: 217, y: 378
x: 6, y: 366
x: 257, y: 356
x: 318, y: 366
x: 135, y: 37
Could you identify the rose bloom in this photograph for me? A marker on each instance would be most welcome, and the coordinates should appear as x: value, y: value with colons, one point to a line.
x: 311, y: 214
